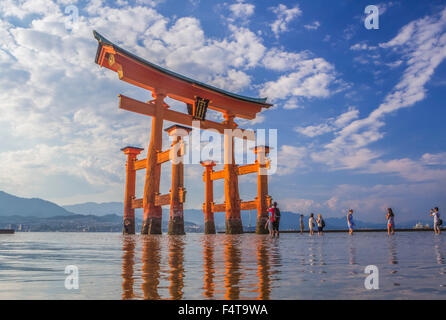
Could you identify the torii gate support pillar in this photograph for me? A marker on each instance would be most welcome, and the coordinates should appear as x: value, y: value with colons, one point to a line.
x: 262, y: 188
x: 209, y: 224
x: 177, y: 191
x: 130, y: 180
x: 232, y: 196
x: 152, y: 212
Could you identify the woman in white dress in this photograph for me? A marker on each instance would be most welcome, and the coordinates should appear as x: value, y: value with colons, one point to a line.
x: 311, y: 224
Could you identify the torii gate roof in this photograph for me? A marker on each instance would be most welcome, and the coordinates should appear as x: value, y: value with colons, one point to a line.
x: 145, y: 74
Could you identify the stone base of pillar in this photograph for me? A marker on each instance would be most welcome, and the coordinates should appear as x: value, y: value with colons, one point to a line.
x: 261, y: 227
x: 176, y: 226
x: 152, y: 226
x: 129, y: 226
x: 209, y: 227
x: 234, y: 226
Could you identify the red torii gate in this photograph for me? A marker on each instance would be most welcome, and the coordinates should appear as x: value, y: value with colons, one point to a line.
x: 164, y: 83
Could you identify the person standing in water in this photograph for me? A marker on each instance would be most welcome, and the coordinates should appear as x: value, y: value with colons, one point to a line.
x: 350, y: 222
x: 320, y: 224
x: 437, y: 221
x: 275, y: 213
x: 311, y: 224
x: 269, y: 224
x: 390, y: 221
x: 301, y: 222
x: 273, y: 220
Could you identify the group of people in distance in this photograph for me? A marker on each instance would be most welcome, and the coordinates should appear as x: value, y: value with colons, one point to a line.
x: 274, y: 220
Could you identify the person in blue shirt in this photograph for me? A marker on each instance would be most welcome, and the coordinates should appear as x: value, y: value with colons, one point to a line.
x: 350, y: 222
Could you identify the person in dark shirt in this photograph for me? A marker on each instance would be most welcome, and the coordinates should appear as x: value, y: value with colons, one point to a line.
x: 275, y: 218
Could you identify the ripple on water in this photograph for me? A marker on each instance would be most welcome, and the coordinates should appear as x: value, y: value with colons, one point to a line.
x: 195, y: 266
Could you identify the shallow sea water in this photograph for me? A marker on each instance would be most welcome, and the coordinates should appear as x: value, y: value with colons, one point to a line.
x: 112, y: 266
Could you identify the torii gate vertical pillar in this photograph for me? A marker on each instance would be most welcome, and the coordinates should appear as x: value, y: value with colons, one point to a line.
x: 209, y: 224
x: 152, y: 213
x: 130, y: 180
x: 177, y: 191
x: 232, y: 197
x: 262, y: 188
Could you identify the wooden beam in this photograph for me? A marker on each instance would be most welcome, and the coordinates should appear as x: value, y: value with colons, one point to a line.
x: 246, y: 169
x: 248, y: 205
x: 218, y: 207
x: 216, y: 175
x: 244, y: 205
x: 164, y: 156
x: 148, y: 109
x: 160, y: 200
x: 241, y: 170
x: 137, y: 203
x: 140, y: 164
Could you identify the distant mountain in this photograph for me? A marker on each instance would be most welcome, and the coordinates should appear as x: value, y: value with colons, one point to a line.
x: 40, y: 215
x: 14, y: 206
x: 11, y: 206
x: 288, y: 221
x: 97, y: 209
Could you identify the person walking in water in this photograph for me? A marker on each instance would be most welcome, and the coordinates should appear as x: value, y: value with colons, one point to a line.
x: 437, y: 221
x: 320, y: 224
x: 311, y: 224
x: 390, y: 221
x: 350, y: 222
x: 274, y: 218
x: 301, y: 222
x: 269, y: 224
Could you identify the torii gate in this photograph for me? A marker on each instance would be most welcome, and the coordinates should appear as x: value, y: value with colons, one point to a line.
x: 164, y: 83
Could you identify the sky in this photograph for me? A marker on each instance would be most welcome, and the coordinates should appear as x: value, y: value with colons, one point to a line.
x: 359, y: 112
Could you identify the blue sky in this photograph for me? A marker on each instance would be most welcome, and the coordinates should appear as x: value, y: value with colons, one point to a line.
x: 359, y: 112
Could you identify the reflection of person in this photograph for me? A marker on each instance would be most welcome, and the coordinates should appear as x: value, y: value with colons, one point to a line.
x: 352, y: 251
x: 311, y: 224
x: 437, y: 221
x: 301, y: 221
x: 390, y: 221
x: 350, y: 222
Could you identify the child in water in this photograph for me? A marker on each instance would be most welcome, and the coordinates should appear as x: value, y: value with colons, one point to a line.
x: 390, y: 221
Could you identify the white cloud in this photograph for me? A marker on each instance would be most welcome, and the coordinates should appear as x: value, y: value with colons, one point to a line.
x: 423, y: 42
x: 412, y: 170
x: 284, y: 16
x: 296, y: 205
x: 313, y: 131
x: 280, y: 60
x: 242, y: 10
x: 290, y: 158
x: 57, y: 105
x: 292, y: 103
x: 434, y: 159
x: 330, y: 125
x: 362, y: 46
x: 310, y: 78
x: 313, y: 26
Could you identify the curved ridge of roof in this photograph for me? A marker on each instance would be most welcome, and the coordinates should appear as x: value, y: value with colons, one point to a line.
x: 103, y: 41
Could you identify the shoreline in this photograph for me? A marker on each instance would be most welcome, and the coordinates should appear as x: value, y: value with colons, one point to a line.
x: 354, y: 231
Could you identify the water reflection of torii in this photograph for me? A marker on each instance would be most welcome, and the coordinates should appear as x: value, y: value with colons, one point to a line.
x: 151, y: 268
